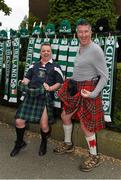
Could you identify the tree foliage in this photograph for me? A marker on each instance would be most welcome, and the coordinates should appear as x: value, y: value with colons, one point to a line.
x: 5, y: 8
x: 24, y: 22
x: 72, y: 10
x: 29, y: 21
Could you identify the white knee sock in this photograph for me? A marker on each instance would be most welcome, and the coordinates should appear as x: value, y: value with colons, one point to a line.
x: 67, y: 133
x: 91, y: 140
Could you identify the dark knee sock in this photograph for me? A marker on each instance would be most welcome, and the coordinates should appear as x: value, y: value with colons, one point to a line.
x: 43, y: 145
x: 45, y: 134
x: 20, y: 134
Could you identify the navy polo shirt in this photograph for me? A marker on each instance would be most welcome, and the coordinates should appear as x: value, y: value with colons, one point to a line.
x: 50, y: 73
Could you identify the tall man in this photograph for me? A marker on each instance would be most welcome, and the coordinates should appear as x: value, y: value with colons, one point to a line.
x: 42, y: 79
x: 81, y: 95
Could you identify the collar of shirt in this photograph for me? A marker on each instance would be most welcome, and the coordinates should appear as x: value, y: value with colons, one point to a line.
x: 50, y: 61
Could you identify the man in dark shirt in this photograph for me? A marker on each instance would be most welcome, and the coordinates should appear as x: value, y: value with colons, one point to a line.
x: 41, y: 80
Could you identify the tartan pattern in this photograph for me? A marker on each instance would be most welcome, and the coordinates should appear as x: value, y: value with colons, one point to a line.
x: 89, y: 110
x: 32, y: 107
x: 31, y: 91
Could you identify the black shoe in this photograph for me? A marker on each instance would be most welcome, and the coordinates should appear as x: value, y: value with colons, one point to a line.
x: 43, y: 147
x: 17, y: 148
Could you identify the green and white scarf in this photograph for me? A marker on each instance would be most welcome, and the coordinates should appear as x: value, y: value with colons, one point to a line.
x: 7, y: 68
x: 28, y: 60
x: 100, y: 41
x: 1, y: 62
x: 62, y: 61
x: 36, y: 50
x: 110, y: 46
x: 14, y: 73
x: 29, y: 54
x: 73, y: 49
x: 96, y: 40
x: 55, y: 47
x: 63, y: 55
x: 46, y: 40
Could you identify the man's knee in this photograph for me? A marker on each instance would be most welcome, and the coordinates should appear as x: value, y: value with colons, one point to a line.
x: 66, y: 118
x: 20, y: 123
x: 63, y: 116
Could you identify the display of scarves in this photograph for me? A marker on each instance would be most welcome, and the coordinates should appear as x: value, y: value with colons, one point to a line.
x: 14, y: 71
x: 7, y: 68
x: 64, y: 51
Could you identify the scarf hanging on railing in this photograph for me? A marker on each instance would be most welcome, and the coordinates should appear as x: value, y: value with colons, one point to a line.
x: 73, y: 49
x: 29, y: 54
x: 46, y: 40
x: 7, y: 68
x: 110, y: 46
x: 1, y: 63
x: 55, y: 47
x: 14, y: 71
x: 96, y: 40
x: 63, y: 55
x: 28, y: 60
x: 100, y: 41
x: 62, y: 61
x: 36, y: 50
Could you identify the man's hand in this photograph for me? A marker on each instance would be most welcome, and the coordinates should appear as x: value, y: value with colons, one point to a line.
x: 46, y: 86
x: 52, y: 88
x: 25, y: 81
x: 85, y: 93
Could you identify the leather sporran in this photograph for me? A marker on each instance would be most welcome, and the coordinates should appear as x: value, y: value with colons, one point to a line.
x: 72, y: 87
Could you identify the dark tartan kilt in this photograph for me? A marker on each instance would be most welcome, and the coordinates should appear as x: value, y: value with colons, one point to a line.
x: 31, y: 108
x: 89, y: 110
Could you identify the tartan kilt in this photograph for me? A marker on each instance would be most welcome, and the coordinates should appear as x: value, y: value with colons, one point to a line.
x: 32, y: 107
x: 89, y: 110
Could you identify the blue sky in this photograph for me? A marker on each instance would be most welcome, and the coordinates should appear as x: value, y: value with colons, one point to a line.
x: 20, y: 8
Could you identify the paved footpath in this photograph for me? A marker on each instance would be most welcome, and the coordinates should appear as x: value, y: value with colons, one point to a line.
x: 28, y: 165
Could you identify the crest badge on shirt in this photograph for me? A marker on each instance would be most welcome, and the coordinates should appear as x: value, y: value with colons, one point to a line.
x: 42, y: 73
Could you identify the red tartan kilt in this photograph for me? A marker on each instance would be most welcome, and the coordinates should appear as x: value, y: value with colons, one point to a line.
x: 89, y: 110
